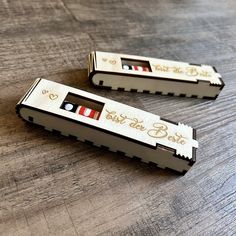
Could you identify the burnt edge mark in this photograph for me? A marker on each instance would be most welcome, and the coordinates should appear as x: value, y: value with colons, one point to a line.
x: 17, y: 109
x: 170, y: 94
x: 30, y: 118
x: 194, y: 64
x: 146, y: 91
x: 210, y: 98
x: 101, y: 82
x: 73, y: 137
x: 158, y: 93
x: 120, y: 89
x: 194, y: 96
x: 161, y: 146
x: 170, y: 121
x: 150, y: 163
x: 91, y: 57
x: 194, y: 134
x: 41, y: 126
x: 104, y: 147
x: 175, y: 171
x: 223, y: 83
x: 214, y: 69
x: 106, y: 87
x: 120, y: 153
x: 88, y: 142
x: 57, y: 132
x: 182, y: 95
x: 91, y: 72
x: 21, y: 118
x: 194, y: 150
x: 135, y: 158
x: 134, y: 90
x: 95, y: 58
x: 89, y: 62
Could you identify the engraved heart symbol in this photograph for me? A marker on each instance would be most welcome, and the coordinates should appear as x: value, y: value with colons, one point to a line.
x: 104, y: 59
x: 44, y: 91
x: 113, y: 62
x: 53, y: 96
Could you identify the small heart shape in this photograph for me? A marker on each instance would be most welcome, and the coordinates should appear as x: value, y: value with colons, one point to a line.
x: 113, y: 62
x: 53, y: 96
x: 104, y: 59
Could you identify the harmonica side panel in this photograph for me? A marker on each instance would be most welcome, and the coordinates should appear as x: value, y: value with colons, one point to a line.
x: 161, y: 157
x: 161, y: 86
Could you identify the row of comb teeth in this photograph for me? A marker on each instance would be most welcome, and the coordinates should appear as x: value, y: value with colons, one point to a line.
x: 136, y: 68
x: 81, y: 110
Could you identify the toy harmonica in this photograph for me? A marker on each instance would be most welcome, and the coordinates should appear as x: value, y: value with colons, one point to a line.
x: 150, y: 75
x: 110, y: 124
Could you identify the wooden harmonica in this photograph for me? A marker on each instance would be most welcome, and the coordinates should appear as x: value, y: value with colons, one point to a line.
x: 110, y: 124
x: 149, y: 75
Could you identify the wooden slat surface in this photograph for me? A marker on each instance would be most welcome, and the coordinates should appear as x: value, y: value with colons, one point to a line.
x: 52, y: 185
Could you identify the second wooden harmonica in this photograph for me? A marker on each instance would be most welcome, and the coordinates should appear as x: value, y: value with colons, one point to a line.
x: 150, y: 75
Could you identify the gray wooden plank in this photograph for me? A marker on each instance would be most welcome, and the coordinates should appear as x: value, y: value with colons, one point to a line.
x: 53, y: 185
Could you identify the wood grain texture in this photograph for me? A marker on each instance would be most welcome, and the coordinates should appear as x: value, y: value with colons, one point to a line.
x: 52, y: 185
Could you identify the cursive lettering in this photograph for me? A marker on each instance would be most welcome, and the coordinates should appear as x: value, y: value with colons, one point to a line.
x: 177, y: 138
x: 111, y: 115
x: 136, y: 124
x: 161, y: 131
x: 189, y: 71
